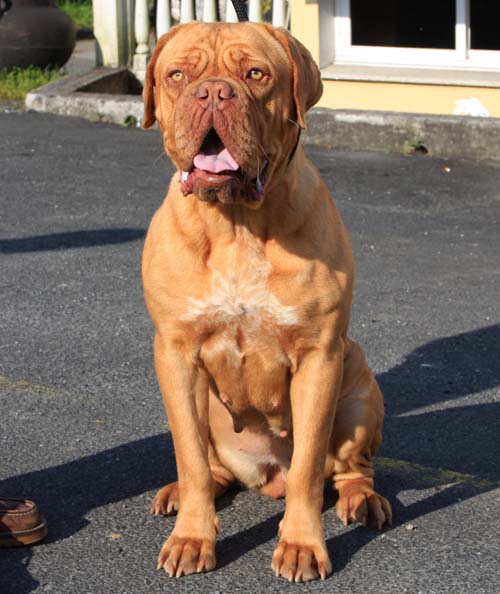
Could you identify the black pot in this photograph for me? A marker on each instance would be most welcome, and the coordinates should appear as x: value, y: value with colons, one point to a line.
x: 35, y: 32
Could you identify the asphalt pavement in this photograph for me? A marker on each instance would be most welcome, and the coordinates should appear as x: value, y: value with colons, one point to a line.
x: 82, y: 427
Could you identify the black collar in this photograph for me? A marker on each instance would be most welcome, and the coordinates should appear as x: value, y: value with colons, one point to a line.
x: 294, y: 150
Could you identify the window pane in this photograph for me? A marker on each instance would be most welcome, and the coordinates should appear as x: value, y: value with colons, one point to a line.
x: 485, y: 24
x: 404, y: 23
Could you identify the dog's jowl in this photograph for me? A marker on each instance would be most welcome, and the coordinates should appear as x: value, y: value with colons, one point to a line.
x: 248, y: 278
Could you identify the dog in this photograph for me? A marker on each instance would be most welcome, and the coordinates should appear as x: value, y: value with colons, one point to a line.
x: 248, y: 278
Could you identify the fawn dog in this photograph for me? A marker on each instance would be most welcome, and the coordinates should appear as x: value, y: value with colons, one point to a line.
x: 248, y: 278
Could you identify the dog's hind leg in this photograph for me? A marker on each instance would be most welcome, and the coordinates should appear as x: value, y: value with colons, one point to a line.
x: 166, y: 501
x: 356, y: 437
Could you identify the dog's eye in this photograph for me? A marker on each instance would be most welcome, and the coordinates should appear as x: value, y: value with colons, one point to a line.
x: 176, y: 76
x: 255, y: 74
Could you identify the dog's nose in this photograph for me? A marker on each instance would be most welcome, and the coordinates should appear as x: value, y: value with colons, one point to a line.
x: 214, y: 95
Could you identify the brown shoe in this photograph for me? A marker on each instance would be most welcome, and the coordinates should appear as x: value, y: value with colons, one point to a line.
x: 20, y: 523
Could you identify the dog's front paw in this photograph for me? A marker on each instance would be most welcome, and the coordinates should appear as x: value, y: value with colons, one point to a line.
x: 166, y: 501
x: 300, y: 563
x: 364, y: 505
x: 182, y: 556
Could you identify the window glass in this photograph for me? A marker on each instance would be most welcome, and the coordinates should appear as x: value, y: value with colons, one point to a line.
x: 404, y: 23
x: 485, y: 24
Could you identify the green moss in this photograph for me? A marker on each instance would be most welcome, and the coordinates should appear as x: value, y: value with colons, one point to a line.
x: 22, y: 386
x: 130, y: 121
x: 16, y: 83
x: 425, y: 476
x: 79, y: 11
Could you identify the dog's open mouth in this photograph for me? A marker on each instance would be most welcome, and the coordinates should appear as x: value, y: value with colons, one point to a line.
x: 216, y: 176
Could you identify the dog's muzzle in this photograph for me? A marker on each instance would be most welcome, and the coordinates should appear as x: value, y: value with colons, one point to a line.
x: 213, y: 166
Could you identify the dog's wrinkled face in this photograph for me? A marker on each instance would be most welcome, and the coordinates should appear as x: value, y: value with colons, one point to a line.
x: 229, y: 99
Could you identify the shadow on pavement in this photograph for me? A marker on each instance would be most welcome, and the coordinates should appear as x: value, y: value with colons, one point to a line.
x: 114, y: 475
x: 444, y: 369
x: 69, y: 240
x: 16, y: 577
x: 464, y: 438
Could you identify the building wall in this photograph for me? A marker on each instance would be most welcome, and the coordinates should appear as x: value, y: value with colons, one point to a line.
x: 304, y: 24
x: 409, y: 98
x: 386, y: 96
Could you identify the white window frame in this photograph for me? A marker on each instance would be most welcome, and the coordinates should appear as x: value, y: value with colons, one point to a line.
x: 460, y: 57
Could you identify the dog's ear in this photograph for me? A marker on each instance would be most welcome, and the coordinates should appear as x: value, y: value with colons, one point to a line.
x: 148, y: 92
x: 307, y: 85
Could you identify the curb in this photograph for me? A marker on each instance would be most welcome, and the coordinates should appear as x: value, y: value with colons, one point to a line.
x: 101, y: 95
x: 440, y: 136
x: 104, y: 95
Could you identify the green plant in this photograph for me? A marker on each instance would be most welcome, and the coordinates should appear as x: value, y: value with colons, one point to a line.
x: 266, y: 6
x: 79, y: 11
x: 130, y: 121
x: 16, y: 83
x: 419, y: 147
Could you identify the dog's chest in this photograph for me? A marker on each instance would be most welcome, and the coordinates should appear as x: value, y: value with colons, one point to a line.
x: 239, y: 298
x: 242, y: 324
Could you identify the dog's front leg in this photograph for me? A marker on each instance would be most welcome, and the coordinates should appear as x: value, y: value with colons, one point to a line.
x: 301, y: 554
x: 191, y: 546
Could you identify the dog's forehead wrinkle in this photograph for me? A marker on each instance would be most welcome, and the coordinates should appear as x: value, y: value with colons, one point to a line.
x: 192, y: 61
x: 229, y: 45
x: 192, y: 55
x: 239, y: 53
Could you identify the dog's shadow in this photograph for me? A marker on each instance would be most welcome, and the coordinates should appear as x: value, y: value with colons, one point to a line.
x: 449, y: 488
x: 419, y: 441
x: 426, y: 439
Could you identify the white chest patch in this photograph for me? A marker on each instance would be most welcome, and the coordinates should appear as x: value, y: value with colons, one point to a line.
x: 244, y: 297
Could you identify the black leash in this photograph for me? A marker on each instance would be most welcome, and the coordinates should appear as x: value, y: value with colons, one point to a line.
x: 240, y: 9
x: 242, y: 14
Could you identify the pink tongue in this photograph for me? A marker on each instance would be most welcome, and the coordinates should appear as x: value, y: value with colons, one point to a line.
x: 223, y: 161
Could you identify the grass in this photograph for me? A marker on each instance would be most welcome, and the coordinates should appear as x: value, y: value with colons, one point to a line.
x: 79, y: 11
x: 16, y: 83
